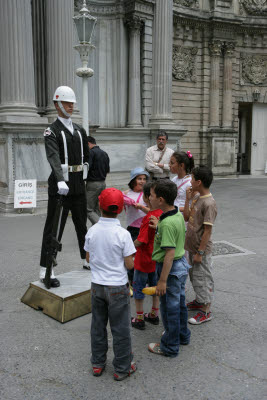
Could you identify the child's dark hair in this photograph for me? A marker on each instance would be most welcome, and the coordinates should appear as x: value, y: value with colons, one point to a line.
x: 203, y: 174
x: 111, y: 213
x: 132, y: 183
x: 166, y: 189
x: 146, y: 189
x: 185, y: 158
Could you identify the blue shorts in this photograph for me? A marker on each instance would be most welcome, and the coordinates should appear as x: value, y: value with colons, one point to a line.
x: 140, y: 280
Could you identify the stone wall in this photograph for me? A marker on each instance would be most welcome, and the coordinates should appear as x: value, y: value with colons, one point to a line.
x: 188, y: 90
x: 219, y: 60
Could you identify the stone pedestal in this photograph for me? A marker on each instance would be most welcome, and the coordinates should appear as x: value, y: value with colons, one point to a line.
x: 71, y: 300
x: 221, y: 150
x: 22, y: 156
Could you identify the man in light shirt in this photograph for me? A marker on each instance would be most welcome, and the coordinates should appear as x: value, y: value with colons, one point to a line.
x: 158, y: 157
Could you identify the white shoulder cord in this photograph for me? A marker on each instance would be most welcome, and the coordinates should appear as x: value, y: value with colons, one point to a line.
x: 65, y: 147
x: 81, y: 145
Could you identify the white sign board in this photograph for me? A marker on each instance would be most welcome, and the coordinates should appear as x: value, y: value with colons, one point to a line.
x: 25, y: 193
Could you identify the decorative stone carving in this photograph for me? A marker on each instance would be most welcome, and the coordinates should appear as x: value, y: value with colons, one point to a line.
x: 184, y: 63
x: 229, y: 48
x: 254, y: 69
x: 101, y: 7
x: 134, y: 23
x: 143, y: 7
x: 215, y: 47
x: 117, y: 7
x: 245, y: 39
x: 187, y: 3
x: 254, y: 7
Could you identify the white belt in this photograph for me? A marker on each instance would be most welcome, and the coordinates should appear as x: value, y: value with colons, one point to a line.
x: 75, y: 168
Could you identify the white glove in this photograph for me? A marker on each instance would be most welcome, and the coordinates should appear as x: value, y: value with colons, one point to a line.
x: 63, y: 188
x: 85, y: 170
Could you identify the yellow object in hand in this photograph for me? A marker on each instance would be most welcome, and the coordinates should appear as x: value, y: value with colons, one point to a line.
x: 149, y: 290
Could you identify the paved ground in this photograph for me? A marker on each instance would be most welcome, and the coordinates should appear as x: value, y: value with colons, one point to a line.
x: 42, y: 359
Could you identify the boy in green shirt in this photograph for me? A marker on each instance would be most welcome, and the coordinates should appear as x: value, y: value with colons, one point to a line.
x: 172, y: 269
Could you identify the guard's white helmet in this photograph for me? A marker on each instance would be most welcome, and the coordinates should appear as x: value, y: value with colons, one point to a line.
x: 64, y: 93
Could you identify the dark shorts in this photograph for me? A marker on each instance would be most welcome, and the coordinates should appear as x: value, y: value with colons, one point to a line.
x: 140, y: 280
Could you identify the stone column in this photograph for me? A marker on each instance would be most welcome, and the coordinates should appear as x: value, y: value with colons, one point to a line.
x: 215, y: 53
x: 39, y: 54
x: 16, y: 62
x: 227, y: 115
x: 59, y: 46
x: 134, y: 90
x: 162, y: 62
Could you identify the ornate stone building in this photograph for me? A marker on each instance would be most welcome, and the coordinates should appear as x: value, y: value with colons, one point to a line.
x: 196, y: 68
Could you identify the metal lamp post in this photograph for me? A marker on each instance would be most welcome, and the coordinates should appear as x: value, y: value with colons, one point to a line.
x: 85, y: 24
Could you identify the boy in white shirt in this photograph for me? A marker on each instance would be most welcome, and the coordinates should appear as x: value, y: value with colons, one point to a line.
x: 110, y: 249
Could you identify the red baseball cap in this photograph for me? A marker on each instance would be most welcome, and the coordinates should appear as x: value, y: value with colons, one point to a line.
x: 111, y: 197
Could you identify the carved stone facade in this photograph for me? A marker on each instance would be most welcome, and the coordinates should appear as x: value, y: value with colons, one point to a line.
x: 187, y: 3
x: 231, y: 82
x: 254, y: 7
x: 184, y: 63
x: 194, y: 68
x: 254, y: 69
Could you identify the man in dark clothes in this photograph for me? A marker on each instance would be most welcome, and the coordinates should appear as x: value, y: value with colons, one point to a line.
x: 98, y: 169
x: 68, y: 155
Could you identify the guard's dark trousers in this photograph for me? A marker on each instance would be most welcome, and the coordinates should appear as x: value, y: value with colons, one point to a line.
x: 77, y: 205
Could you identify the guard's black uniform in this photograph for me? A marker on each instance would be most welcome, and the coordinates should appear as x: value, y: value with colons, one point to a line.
x: 76, y: 198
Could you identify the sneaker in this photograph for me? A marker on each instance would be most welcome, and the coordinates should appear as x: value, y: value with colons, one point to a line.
x: 86, y: 265
x: 151, y: 320
x: 200, y: 317
x: 97, y: 371
x: 138, y: 324
x: 155, y: 348
x: 194, y: 305
x: 119, y: 377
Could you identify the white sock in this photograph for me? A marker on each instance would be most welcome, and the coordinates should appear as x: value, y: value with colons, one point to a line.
x: 85, y: 263
x: 43, y: 271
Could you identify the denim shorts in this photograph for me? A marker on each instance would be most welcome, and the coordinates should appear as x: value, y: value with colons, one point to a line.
x: 140, y: 280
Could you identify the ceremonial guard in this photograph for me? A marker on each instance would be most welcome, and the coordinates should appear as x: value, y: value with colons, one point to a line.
x: 68, y: 155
